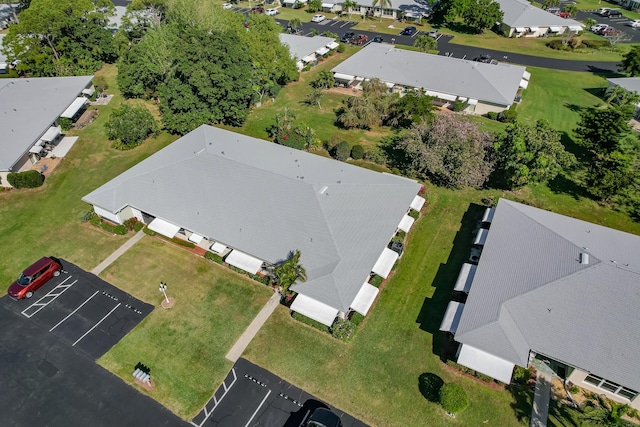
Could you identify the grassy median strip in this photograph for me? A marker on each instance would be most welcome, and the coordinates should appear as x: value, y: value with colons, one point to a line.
x: 184, y: 346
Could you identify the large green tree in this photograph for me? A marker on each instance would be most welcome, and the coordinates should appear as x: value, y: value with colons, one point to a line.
x: 530, y: 154
x: 601, y: 129
x: 130, y: 125
x: 482, y: 14
x: 631, y: 61
x: 61, y: 37
x: 611, y: 174
x: 425, y: 43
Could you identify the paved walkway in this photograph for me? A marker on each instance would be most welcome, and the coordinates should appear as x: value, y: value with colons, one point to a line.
x: 540, y: 411
x: 118, y: 252
x: 251, y: 331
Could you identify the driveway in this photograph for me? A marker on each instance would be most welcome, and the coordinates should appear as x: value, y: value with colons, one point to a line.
x: 48, y: 349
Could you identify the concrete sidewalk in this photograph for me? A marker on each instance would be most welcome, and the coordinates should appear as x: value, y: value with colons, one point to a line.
x: 251, y: 331
x: 540, y: 411
x: 117, y: 253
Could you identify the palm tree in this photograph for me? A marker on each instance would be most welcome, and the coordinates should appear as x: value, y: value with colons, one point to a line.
x: 382, y: 4
x: 348, y: 5
x: 606, y: 413
x: 294, y: 24
x: 290, y: 271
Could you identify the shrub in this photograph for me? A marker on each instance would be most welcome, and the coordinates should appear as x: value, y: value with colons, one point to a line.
x: 213, y: 257
x: 65, y: 123
x: 357, y: 152
x: 129, y: 126
x: 574, y: 389
x: 138, y: 226
x: 522, y: 375
x: 458, y: 106
x: 110, y: 228
x: 315, y: 324
x: 148, y: 231
x: 596, y: 44
x: 356, y: 319
x: 131, y: 223
x: 508, y: 116
x: 341, y: 48
x: 453, y: 398
x: 414, y: 214
x: 100, y: 83
x: 307, y: 67
x: 376, y: 155
x: 557, y: 45
x: 342, y: 329
x: 341, y: 151
x: 26, y: 179
x: 492, y: 115
x: 180, y: 242
x: 330, y: 34
x: 461, y: 368
x: 86, y: 216
x: 376, y: 281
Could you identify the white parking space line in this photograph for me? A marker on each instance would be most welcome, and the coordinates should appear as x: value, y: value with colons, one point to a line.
x: 96, y: 325
x: 49, y: 297
x: 257, y: 409
x: 207, y: 413
x: 73, y: 312
x: 346, y: 23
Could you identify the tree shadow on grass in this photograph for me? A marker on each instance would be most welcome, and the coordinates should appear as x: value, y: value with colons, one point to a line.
x: 522, y: 404
x: 429, y: 385
x: 432, y: 311
x: 561, y: 184
x: 598, y: 92
x: 561, y: 415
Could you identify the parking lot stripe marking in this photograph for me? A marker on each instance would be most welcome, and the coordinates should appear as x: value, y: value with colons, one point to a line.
x: 94, y: 326
x: 257, y: 409
x: 216, y: 401
x: 73, y: 312
x: 39, y: 305
x: 346, y: 23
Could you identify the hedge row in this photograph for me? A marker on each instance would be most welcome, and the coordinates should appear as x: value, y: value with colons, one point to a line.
x: 115, y: 229
x: 308, y: 321
x: 176, y: 240
x: 26, y: 179
x: 480, y: 376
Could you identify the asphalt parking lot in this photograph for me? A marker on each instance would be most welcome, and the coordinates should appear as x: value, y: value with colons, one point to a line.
x: 617, y: 23
x: 252, y: 396
x: 47, y: 357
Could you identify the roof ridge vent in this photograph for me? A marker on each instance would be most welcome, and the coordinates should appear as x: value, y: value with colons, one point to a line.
x: 323, y: 189
x: 584, y: 258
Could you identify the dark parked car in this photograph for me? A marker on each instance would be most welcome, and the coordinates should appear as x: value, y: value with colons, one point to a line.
x: 360, y: 39
x: 323, y: 417
x: 409, y: 31
x: 483, y: 58
x: 34, y: 277
x: 347, y: 37
x: 611, y: 13
x: 257, y: 9
x: 377, y: 39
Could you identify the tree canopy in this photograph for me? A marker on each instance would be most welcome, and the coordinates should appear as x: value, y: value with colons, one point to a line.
x: 631, y: 61
x: 600, y: 129
x: 130, y: 126
x: 61, y: 38
x: 482, y: 14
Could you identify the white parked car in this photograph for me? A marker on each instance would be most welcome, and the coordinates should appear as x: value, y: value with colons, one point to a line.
x: 318, y: 18
x: 227, y: 6
x: 271, y: 12
x: 599, y: 28
x: 634, y: 24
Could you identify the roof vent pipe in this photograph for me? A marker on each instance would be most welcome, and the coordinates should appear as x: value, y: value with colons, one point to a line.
x: 584, y: 258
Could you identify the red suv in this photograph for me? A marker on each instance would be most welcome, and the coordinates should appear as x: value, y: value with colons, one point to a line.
x: 34, y: 277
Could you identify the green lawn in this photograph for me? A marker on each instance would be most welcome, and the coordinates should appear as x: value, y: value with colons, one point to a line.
x: 44, y: 221
x: 184, y: 346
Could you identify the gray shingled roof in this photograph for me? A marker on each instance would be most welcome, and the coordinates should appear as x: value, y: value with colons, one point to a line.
x: 28, y: 107
x: 485, y: 82
x: 264, y: 199
x: 530, y: 292
x: 301, y: 46
x: 520, y: 13
x: 632, y: 84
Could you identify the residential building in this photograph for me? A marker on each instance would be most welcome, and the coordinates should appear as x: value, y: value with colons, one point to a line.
x: 255, y: 202
x: 30, y: 110
x: 555, y: 289
x: 522, y: 19
x: 307, y: 50
x: 481, y: 86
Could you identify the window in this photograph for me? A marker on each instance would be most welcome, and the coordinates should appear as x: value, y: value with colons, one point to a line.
x: 611, y: 387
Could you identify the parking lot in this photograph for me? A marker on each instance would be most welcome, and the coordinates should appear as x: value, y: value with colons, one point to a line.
x: 617, y: 23
x: 252, y: 396
x: 49, y: 344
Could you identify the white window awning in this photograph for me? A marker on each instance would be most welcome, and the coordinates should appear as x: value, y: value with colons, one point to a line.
x: 520, y: 29
x: 36, y: 149
x: 406, y: 223
x: 51, y: 134
x: 163, y: 227
x: 575, y: 28
x: 75, y: 106
x: 465, y: 278
x: 462, y: 98
x: 452, y: 317
x: 385, y: 263
x: 327, y: 5
x: 534, y: 29
x: 555, y: 29
x: 473, y: 101
x: 365, y: 298
x: 218, y: 248
x: 309, y: 58
x: 89, y: 91
x: 389, y: 84
x: 488, y: 215
x: 341, y: 76
x: 417, y: 203
x: 486, y: 363
x: 481, y: 237
x: 333, y: 45
x: 313, y: 309
x: 526, y: 75
x: 322, y: 51
x: 195, y: 238
x: 441, y: 95
x: 524, y: 83
x: 243, y: 261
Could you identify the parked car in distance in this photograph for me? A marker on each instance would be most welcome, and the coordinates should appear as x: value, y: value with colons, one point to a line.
x: 377, y: 39
x: 271, y: 12
x: 612, y: 13
x: 483, y: 58
x: 433, y: 33
x: 598, y: 28
x: 554, y: 10
x: 602, y: 11
x: 318, y: 18
x: 610, y: 31
x: 322, y: 417
x: 360, y: 39
x: 34, y: 276
x: 563, y: 15
x: 227, y: 5
x: 409, y: 31
x: 347, y: 37
x: 257, y: 9
x: 634, y: 24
